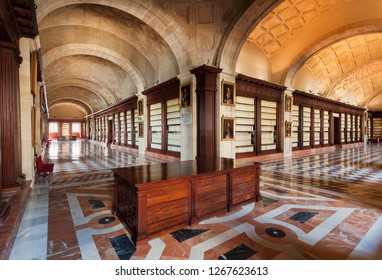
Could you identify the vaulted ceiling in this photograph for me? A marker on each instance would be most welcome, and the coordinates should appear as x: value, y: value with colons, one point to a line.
x: 339, y: 42
x: 97, y: 52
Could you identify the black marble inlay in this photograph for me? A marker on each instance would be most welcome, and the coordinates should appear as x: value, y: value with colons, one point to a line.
x: 302, y: 217
x: 277, y: 190
x: 268, y: 201
x: 241, y: 252
x: 275, y: 232
x: 123, y: 246
x: 185, y: 234
x: 95, y: 204
x: 106, y: 220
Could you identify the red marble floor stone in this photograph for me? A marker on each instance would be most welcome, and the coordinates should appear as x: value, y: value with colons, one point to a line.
x: 9, y: 228
x: 338, y: 244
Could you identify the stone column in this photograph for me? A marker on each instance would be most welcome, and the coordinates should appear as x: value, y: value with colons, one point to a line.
x: 226, y: 149
x: 188, y: 119
x: 142, y: 141
x: 26, y: 109
x: 206, y: 86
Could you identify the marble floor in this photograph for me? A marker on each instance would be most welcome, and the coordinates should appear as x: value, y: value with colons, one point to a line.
x: 320, y: 206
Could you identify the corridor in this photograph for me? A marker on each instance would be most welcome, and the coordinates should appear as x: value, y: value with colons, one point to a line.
x: 323, y: 206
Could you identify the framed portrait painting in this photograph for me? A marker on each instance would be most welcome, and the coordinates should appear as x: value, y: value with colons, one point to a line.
x: 288, y: 103
x: 140, y: 107
x: 185, y: 95
x: 228, y: 129
x: 140, y: 129
x: 228, y: 93
x: 288, y: 129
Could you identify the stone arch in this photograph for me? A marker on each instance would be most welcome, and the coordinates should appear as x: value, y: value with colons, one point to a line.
x: 76, y: 101
x: 107, y: 97
x: 175, y: 37
x: 337, y: 35
x: 234, y: 40
x: 98, y: 51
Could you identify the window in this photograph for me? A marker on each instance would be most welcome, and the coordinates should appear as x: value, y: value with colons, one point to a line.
x: 348, y: 129
x: 65, y: 129
x: 245, y: 124
x: 122, y: 127
x: 295, y: 126
x: 317, y: 127
x: 156, y: 126
x: 306, y: 127
x: 53, y: 127
x: 268, y: 125
x: 76, y: 127
x: 116, y: 128
x: 377, y: 127
x: 353, y: 137
x: 173, y: 125
x: 326, y: 127
x: 136, y: 126
x: 164, y: 127
x: 343, y: 128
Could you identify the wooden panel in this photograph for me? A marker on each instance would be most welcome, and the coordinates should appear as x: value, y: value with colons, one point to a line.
x: 244, y: 185
x: 125, y: 205
x: 173, y: 194
x: 209, y: 195
x: 206, y: 81
x: 167, y: 206
x: 10, y: 117
x: 163, y: 92
x: 124, y: 105
x: 255, y: 88
x: 166, y: 224
x: 319, y: 102
x: 1, y: 171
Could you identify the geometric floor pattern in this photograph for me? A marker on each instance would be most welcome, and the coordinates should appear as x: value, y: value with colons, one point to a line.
x: 325, y: 206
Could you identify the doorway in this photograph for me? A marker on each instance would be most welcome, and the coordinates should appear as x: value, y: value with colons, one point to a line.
x: 109, y: 131
x: 337, y: 130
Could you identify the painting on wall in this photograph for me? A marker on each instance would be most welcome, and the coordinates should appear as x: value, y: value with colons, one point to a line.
x: 140, y: 107
x: 288, y: 103
x: 140, y: 129
x: 228, y: 128
x: 288, y: 129
x: 185, y: 95
x: 228, y: 93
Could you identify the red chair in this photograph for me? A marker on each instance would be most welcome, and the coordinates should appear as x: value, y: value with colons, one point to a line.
x: 43, y: 168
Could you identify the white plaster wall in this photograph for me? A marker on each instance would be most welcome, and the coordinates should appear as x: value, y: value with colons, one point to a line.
x: 167, y: 68
x: 128, y: 88
x: 304, y: 80
x: 26, y: 106
x: 142, y: 141
x: 253, y: 62
x: 187, y: 147
x: 225, y: 149
x: 67, y: 110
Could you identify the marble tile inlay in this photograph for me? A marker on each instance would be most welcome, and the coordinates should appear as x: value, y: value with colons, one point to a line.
x: 106, y: 220
x: 123, y: 247
x: 302, y: 217
x: 241, y: 252
x: 268, y: 201
x: 320, y: 206
x: 95, y: 203
x: 185, y: 234
x: 275, y: 232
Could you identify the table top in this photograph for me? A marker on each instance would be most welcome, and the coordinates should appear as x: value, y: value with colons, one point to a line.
x: 166, y: 171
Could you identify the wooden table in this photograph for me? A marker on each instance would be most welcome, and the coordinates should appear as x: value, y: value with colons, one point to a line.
x: 153, y: 198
